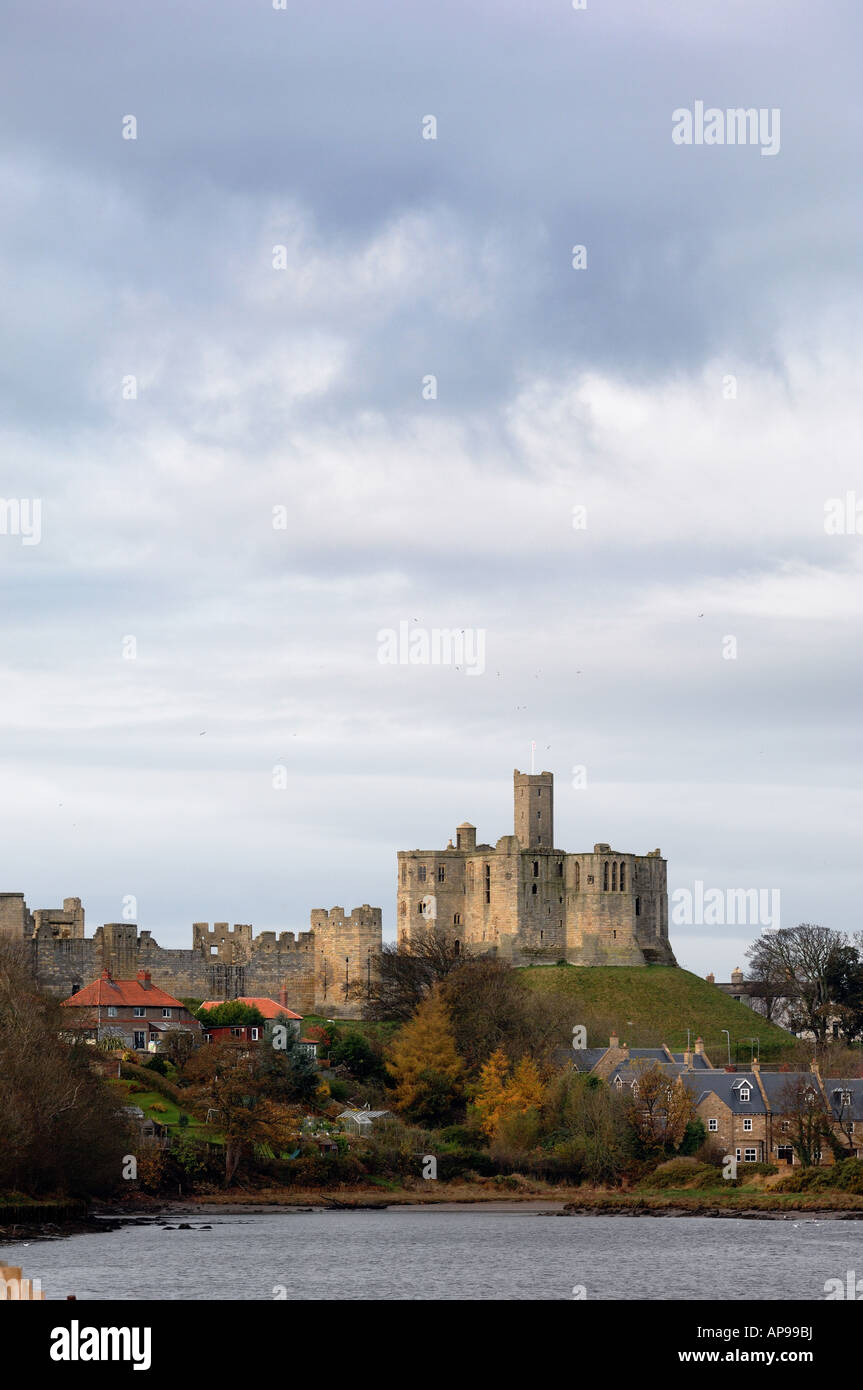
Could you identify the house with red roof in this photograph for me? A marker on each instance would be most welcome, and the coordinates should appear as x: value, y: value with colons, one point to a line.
x: 269, y: 1010
x: 136, y: 1011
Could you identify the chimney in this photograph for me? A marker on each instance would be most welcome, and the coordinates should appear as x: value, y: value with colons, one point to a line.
x: 106, y: 974
x: 711, y: 978
x: 687, y: 1060
x: 143, y: 978
x: 614, y: 1040
x: 699, y: 1046
x: 756, y: 1065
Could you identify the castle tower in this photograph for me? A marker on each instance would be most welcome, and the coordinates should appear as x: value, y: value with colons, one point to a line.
x: 533, y: 796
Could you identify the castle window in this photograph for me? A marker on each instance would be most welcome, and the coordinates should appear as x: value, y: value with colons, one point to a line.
x: 536, y: 868
x: 421, y: 873
x: 622, y: 878
x: 605, y: 876
x: 404, y: 873
x: 403, y: 907
x: 470, y: 875
x: 539, y: 815
x: 533, y: 889
x: 638, y: 907
x: 541, y: 935
x: 577, y: 877
x: 614, y: 877
x: 488, y: 883
x: 441, y: 873
x: 420, y: 907
x: 456, y: 920
x: 458, y: 948
x: 560, y: 868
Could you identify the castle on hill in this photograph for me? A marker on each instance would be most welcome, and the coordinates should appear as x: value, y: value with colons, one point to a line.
x: 527, y: 902
x: 521, y: 899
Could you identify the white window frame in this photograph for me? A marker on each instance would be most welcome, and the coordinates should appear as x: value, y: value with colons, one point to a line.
x: 713, y: 1126
x: 140, y: 1011
x: 747, y: 1124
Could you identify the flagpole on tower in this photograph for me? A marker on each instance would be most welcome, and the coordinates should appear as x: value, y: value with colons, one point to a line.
x: 532, y: 752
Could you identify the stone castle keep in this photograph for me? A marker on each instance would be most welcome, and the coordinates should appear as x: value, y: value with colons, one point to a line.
x: 529, y: 902
x: 520, y: 899
x: 306, y: 971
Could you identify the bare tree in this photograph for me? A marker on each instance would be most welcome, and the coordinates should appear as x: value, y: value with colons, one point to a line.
x: 804, y: 963
x: 402, y: 976
x: 805, y: 1117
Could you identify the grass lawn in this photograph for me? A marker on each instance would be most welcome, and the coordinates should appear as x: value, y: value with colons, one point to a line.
x: 147, y: 1100
x: 655, y: 1004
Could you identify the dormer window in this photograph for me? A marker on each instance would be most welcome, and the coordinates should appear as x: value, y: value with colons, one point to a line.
x: 745, y: 1093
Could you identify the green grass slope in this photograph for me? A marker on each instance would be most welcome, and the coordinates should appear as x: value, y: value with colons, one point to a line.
x: 656, y: 1004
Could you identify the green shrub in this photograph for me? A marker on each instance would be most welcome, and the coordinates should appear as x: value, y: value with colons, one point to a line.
x: 151, y: 1081
x: 157, y: 1064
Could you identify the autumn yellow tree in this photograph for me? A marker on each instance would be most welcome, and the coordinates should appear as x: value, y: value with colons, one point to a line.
x: 501, y: 1094
x: 425, y: 1065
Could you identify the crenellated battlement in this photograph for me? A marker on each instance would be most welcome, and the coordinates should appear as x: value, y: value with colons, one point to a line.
x: 224, y: 960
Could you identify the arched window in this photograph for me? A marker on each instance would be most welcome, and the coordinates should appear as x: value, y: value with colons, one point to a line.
x: 458, y: 948
x: 623, y: 878
x: 420, y: 907
x: 614, y: 877
x: 577, y: 877
x: 456, y: 920
x: 605, y: 877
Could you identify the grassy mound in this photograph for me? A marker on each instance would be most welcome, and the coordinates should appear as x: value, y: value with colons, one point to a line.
x: 655, y: 1004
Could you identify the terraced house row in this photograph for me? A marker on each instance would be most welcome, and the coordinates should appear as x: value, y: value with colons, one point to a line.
x: 755, y: 1115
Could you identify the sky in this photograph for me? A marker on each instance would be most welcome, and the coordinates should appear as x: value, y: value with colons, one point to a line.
x: 282, y: 373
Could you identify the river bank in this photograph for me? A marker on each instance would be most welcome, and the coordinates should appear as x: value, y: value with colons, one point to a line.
x: 559, y: 1201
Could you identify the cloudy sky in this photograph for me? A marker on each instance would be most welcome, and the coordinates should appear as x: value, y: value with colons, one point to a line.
x: 695, y: 387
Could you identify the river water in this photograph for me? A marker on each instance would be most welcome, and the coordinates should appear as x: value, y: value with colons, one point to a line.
x: 423, y: 1252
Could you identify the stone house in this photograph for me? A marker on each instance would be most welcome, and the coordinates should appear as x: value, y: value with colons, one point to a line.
x: 135, y: 1011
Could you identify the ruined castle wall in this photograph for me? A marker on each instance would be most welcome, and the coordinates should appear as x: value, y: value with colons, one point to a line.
x: 344, y: 947
x: 15, y: 921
